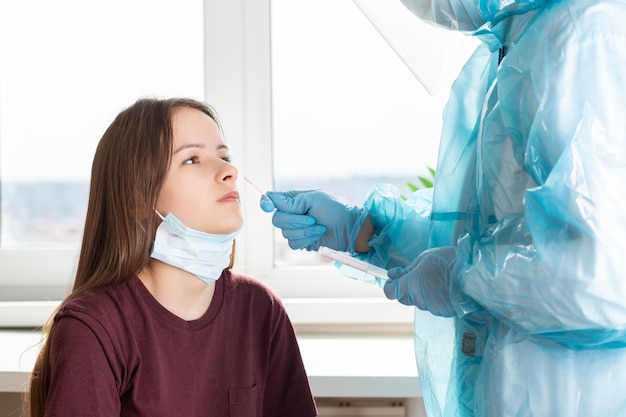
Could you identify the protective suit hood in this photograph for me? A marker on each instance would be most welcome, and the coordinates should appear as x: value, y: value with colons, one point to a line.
x: 469, y: 16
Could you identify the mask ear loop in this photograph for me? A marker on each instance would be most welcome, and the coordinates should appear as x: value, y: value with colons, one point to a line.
x: 159, y: 214
x: 162, y: 218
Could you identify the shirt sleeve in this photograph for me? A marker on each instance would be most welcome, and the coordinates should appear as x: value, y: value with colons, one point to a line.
x: 82, y: 379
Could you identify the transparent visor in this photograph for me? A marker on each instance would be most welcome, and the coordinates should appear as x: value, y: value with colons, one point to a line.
x: 433, y: 55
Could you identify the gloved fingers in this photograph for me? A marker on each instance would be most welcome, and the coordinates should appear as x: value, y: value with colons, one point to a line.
x: 399, y: 289
x: 305, y: 243
x: 406, y: 284
x: 424, y: 283
x: 394, y: 286
x: 288, y: 194
x: 284, y: 220
x: 391, y: 288
x: 397, y: 272
x: 290, y: 201
x: 266, y: 204
x: 304, y: 237
x: 300, y: 209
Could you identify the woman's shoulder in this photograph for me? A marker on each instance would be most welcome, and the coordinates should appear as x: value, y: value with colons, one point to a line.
x: 236, y: 278
x: 111, y: 304
x: 245, y: 284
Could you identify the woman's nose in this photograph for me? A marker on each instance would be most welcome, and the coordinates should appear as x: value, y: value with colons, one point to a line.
x: 229, y: 172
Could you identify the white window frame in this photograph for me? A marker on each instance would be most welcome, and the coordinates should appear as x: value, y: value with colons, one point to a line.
x: 238, y: 85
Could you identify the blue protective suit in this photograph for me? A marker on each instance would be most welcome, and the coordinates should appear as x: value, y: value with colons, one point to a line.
x: 529, y: 188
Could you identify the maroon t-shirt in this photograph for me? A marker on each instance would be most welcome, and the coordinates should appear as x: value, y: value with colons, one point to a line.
x: 116, y: 351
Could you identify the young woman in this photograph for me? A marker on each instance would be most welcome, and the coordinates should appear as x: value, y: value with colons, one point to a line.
x: 157, y: 324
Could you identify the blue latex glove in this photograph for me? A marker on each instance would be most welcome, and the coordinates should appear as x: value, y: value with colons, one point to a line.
x: 426, y: 282
x: 310, y: 219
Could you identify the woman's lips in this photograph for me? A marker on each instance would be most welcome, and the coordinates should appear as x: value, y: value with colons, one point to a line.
x: 230, y: 196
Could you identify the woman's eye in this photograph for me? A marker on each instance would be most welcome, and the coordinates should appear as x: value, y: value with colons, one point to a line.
x: 190, y: 161
x: 227, y: 158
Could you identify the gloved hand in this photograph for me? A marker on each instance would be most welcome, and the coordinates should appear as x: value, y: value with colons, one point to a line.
x: 426, y: 282
x: 310, y: 219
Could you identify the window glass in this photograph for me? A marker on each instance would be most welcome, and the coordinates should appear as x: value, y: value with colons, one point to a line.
x: 348, y: 112
x: 67, y: 67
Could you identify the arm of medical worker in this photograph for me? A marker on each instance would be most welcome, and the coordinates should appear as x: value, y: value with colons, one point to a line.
x: 400, y: 228
x: 557, y: 270
x: 392, y: 233
x: 310, y: 219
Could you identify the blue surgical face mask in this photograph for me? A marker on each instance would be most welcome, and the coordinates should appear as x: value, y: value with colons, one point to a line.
x: 204, y: 255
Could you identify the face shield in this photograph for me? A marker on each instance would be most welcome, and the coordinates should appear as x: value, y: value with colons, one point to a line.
x: 432, y: 54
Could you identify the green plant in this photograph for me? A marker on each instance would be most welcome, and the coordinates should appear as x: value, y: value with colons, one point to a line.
x: 424, y: 181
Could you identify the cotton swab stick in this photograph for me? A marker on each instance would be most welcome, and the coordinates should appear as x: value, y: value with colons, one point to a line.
x: 253, y: 185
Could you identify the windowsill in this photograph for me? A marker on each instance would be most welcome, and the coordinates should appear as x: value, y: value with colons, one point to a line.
x: 338, y: 366
x: 302, y: 311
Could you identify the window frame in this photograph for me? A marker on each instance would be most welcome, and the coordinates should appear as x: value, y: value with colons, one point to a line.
x: 238, y: 84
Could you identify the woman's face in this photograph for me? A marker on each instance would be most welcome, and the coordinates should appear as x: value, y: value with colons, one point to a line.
x: 200, y: 185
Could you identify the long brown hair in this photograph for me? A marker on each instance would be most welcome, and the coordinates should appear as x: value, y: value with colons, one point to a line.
x: 129, y: 167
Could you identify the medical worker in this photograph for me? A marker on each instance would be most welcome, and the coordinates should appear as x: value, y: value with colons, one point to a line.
x: 516, y: 260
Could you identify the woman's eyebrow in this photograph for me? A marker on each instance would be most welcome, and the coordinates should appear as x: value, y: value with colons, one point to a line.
x: 189, y: 145
x: 198, y: 145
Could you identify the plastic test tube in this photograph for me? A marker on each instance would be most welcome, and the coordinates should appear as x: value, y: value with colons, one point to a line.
x: 358, y: 264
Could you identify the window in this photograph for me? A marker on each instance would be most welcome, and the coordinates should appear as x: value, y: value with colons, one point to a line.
x: 347, y: 111
x: 67, y: 67
x: 290, y: 94
x: 265, y: 112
